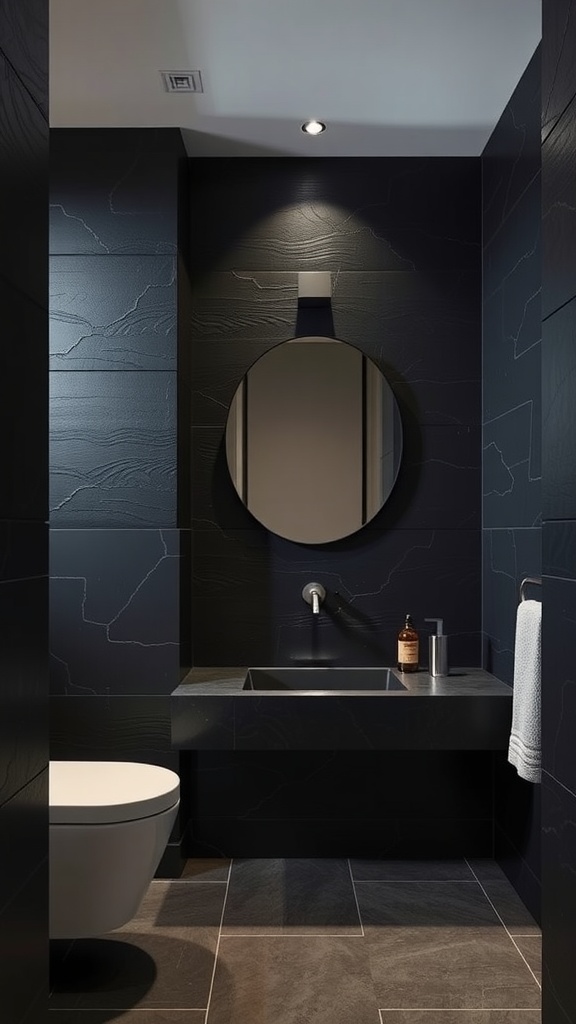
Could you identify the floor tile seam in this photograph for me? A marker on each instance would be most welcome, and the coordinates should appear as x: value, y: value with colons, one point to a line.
x: 510, y: 936
x: 418, y: 881
x: 218, y: 945
x: 353, y: 883
x: 293, y: 935
x: 457, y: 1009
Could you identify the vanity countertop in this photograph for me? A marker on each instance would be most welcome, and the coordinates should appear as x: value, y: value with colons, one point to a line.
x: 470, y: 709
x: 459, y: 682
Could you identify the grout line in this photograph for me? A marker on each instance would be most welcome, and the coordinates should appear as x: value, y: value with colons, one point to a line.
x: 425, y: 881
x: 294, y: 935
x: 129, y: 1009
x: 355, y: 897
x: 218, y: 945
x: 511, y: 937
x: 457, y: 1009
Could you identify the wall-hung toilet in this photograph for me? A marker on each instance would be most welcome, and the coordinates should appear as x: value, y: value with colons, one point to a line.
x: 110, y: 822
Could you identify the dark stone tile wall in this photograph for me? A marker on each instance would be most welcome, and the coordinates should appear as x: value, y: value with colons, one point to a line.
x: 116, y: 568
x: 23, y: 510
x: 402, y: 241
x: 511, y: 434
x: 401, y: 238
x: 559, y: 509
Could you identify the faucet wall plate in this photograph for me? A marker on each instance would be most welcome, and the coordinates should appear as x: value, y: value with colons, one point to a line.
x: 314, y: 594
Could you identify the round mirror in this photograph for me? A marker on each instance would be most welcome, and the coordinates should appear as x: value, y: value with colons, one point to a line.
x: 314, y: 440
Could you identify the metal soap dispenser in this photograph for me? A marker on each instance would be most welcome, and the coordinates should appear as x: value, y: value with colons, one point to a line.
x: 438, y: 650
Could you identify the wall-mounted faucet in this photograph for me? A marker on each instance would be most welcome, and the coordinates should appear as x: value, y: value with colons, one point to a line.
x: 314, y: 594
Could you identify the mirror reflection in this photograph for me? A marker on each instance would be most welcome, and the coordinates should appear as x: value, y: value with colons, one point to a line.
x: 314, y: 440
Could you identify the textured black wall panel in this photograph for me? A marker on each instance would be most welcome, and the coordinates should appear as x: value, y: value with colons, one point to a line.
x: 114, y: 611
x: 113, y: 314
x: 558, y: 203
x: 23, y: 407
x: 114, y: 190
x: 511, y: 462
x: 113, y: 449
x: 23, y: 186
x: 558, y: 65
x: 558, y: 434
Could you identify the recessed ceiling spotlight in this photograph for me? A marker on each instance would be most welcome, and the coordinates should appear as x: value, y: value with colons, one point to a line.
x: 313, y: 127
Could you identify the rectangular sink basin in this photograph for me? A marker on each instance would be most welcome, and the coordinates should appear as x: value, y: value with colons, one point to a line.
x: 322, y: 680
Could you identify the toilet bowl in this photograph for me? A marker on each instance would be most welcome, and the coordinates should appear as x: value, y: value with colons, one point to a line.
x: 110, y: 822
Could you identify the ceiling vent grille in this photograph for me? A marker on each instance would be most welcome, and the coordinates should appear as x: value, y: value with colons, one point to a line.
x: 182, y: 81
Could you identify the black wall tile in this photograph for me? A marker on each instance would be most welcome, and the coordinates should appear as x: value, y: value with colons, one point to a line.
x: 421, y: 330
x: 253, y: 584
x: 511, y: 461
x: 114, y: 190
x: 558, y: 70
x: 116, y: 728
x: 511, y: 352
x: 23, y: 836
x: 558, y: 201
x: 559, y: 593
x: 559, y: 904
x: 512, y: 468
x: 23, y: 950
x: 113, y: 449
x: 114, y: 611
x: 113, y: 314
x: 511, y: 262
x: 23, y: 655
x: 23, y: 187
x: 559, y: 671
x: 509, y: 555
x: 23, y: 507
x: 380, y: 214
x: 23, y: 407
x: 558, y: 434
x: 511, y: 158
x: 24, y: 43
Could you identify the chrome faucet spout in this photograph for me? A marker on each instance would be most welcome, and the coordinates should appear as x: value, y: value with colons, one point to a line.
x: 314, y: 594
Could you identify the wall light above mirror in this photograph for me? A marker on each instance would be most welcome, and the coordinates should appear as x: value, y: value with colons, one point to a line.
x: 314, y: 440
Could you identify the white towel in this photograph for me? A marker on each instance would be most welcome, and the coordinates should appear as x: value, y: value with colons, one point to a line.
x: 524, y: 751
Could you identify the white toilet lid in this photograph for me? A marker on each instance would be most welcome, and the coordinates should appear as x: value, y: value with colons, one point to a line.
x: 104, y: 792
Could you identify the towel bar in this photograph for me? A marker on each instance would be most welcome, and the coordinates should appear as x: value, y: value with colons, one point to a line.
x: 529, y: 579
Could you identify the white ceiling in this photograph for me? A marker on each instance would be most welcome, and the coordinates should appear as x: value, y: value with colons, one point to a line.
x: 390, y: 77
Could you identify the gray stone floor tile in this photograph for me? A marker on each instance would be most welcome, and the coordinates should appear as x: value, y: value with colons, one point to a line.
x: 283, y: 980
x: 163, y: 958
x: 515, y: 915
x: 486, y: 869
x: 206, y: 869
x: 531, y: 947
x: 276, y: 897
x: 410, y: 870
x: 440, y: 944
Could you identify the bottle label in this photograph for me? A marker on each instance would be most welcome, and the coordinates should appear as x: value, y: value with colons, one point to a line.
x: 408, y: 651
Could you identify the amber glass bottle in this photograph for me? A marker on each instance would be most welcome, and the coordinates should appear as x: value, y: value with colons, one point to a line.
x: 408, y: 647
